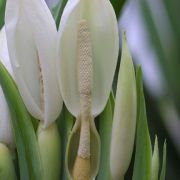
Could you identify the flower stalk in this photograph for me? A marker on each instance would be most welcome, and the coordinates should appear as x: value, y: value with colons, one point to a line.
x: 50, y: 151
x: 6, y: 164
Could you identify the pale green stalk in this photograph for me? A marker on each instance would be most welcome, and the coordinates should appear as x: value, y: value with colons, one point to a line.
x: 7, y: 171
x: 50, y: 151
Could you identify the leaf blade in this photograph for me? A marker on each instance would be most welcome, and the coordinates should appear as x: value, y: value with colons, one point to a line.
x: 142, y: 165
x: 163, y: 170
x: 2, y: 12
x: 58, y: 10
x: 25, y: 137
x: 155, y: 161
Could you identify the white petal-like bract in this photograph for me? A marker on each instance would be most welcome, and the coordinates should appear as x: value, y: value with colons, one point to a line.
x: 32, y: 39
x: 102, y: 25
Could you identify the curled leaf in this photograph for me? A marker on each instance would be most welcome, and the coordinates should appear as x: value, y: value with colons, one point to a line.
x: 124, y: 120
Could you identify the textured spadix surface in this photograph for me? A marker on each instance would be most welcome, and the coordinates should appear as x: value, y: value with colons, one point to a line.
x: 31, y: 37
x: 102, y: 25
x: 6, y: 135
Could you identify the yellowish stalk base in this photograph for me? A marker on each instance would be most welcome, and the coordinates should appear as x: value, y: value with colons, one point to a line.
x: 81, y: 170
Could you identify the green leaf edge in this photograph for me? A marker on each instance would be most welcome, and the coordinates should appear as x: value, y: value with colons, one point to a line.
x: 143, y: 152
x: 25, y: 137
x: 163, y: 169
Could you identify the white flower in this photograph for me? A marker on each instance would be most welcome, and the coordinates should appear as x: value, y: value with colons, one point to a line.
x: 101, y: 21
x: 6, y: 135
x: 31, y: 37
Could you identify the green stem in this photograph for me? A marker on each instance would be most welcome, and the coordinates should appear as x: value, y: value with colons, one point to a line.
x: 50, y: 151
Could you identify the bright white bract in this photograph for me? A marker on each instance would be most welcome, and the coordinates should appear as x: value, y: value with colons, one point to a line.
x: 31, y: 38
x: 102, y: 25
x: 6, y: 135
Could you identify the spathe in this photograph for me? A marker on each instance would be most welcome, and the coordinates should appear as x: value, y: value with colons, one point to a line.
x: 102, y: 25
x: 31, y: 36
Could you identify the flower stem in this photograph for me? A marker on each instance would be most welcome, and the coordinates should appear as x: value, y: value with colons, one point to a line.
x: 50, y: 151
x: 7, y: 170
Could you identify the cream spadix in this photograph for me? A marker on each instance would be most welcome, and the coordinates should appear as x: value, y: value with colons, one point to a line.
x: 31, y: 37
x: 102, y: 26
x: 6, y: 135
x: 124, y: 120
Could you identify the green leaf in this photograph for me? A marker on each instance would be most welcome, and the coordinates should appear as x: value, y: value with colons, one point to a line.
x: 105, y: 127
x: 65, y: 124
x: 58, y: 10
x: 155, y: 161
x: 118, y: 5
x: 2, y: 12
x: 143, y: 154
x: 25, y: 137
x: 163, y: 170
